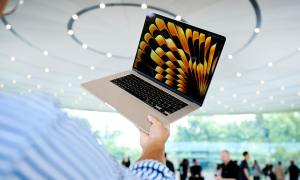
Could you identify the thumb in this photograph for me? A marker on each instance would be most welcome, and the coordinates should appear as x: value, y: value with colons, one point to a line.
x: 152, y: 119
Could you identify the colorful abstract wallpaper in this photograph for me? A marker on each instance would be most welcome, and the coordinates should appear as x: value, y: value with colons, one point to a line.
x: 180, y: 56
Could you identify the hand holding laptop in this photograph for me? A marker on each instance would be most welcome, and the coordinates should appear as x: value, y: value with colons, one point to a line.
x: 153, y: 144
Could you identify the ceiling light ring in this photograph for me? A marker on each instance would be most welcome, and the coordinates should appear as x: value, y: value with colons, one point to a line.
x: 107, y: 5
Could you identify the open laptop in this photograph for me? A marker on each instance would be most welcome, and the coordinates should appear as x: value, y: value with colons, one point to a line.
x: 171, y: 73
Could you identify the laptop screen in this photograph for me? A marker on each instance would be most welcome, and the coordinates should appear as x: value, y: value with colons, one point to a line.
x: 179, y: 56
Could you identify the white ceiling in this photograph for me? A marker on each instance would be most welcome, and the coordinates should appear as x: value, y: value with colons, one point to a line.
x: 117, y: 30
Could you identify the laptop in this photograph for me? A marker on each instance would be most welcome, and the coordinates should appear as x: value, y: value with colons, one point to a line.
x: 170, y: 76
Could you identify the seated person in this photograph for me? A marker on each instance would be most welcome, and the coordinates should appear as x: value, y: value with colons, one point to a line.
x: 39, y: 141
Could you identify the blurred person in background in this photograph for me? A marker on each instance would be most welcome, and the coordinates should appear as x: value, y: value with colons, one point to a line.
x: 228, y: 170
x: 184, y: 169
x: 270, y: 174
x: 244, y: 167
x: 256, y: 170
x: 169, y: 164
x: 279, y: 171
x: 293, y: 171
x: 196, y: 170
x: 126, y: 161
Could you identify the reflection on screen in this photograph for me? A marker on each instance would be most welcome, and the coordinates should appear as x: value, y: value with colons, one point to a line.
x: 178, y: 55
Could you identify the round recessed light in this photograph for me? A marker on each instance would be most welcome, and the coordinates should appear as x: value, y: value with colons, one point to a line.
x: 29, y: 90
x: 84, y: 93
x: 178, y: 18
x: 28, y: 76
x: 262, y: 82
x: 282, y: 88
x: 38, y: 86
x: 299, y: 49
x: 75, y: 16
x: 55, y: 94
x: 79, y: 77
x: 109, y: 55
x: 238, y: 74
x: 144, y: 6
x: 222, y: 89
x: 270, y: 64
x: 14, y: 81
x: 257, y: 92
x: 92, y: 68
x: 46, y: 70
x: 1, y: 86
x: 256, y: 30
x: 226, y: 106
x: 298, y: 93
x: 102, y: 5
x: 70, y: 32
x: 271, y: 97
x: 8, y: 26
x: 261, y: 108
x: 234, y: 95
x: 84, y: 46
x: 12, y: 58
x: 70, y: 84
x: 21, y: 2
x: 45, y: 53
x: 229, y: 56
x: 253, y: 104
x: 219, y: 102
x: 245, y: 100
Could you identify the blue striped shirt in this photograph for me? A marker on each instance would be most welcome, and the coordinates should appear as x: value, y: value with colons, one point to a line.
x: 39, y: 141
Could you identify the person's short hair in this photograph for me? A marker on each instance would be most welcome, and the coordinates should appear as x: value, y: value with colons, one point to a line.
x: 194, y: 160
x: 245, y: 153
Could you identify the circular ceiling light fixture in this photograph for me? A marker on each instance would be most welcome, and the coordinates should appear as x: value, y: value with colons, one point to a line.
x: 111, y: 5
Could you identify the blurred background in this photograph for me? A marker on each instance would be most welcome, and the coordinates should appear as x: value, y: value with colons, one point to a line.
x: 253, y: 102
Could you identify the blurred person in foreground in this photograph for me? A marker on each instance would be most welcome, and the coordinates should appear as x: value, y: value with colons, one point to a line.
x: 256, y: 171
x: 279, y: 171
x: 244, y: 167
x: 39, y: 141
x: 196, y: 170
x: 228, y: 170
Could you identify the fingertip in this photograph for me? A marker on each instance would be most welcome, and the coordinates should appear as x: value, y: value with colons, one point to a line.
x: 151, y: 119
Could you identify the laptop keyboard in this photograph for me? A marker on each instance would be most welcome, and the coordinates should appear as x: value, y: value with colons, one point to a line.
x: 151, y: 95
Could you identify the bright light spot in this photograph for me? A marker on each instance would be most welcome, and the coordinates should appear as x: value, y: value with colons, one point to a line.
x: 292, y: 105
x: 226, y: 106
x: 29, y: 76
x: 14, y: 81
x: 61, y: 91
x: 70, y: 84
x: 270, y: 64
x: 234, y: 95
x: 45, y: 53
x: 238, y: 74
x: 178, y: 18
x: 256, y: 30
x: 299, y: 49
x: 282, y: 102
x: 282, y: 88
x: 298, y: 93
x: 8, y: 26
x: 222, y: 89
x: 1, y: 86
x: 261, y: 108
x: 84, y: 46
x: 257, y: 92
x: 46, y: 70
x: 92, y: 68
x: 271, y: 97
x: 219, y: 102
x: 84, y: 93
x: 245, y: 100
x: 70, y: 32
x: 29, y: 90
x: 12, y: 58
x: 38, y: 86
x: 109, y: 55
x: 21, y: 2
x: 75, y: 16
x: 55, y: 94
x: 102, y: 5
x: 262, y: 82
x: 144, y: 6
x: 253, y: 104
x: 229, y: 56
x: 79, y: 77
